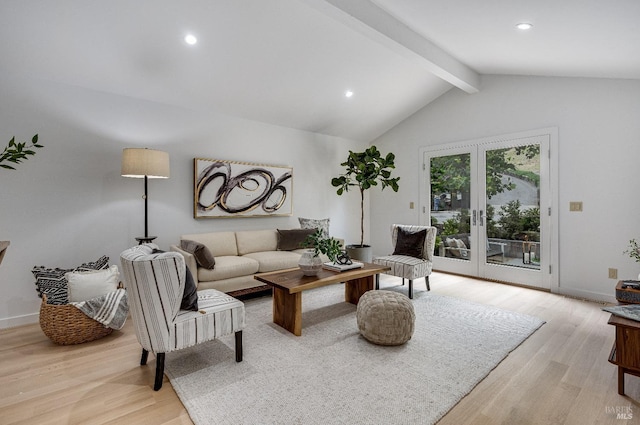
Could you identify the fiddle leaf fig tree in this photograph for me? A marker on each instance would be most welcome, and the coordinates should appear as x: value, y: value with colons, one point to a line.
x: 15, y: 153
x: 365, y: 170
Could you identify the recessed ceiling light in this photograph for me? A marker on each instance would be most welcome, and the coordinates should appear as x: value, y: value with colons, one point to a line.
x: 348, y: 93
x: 524, y: 26
x: 190, y: 39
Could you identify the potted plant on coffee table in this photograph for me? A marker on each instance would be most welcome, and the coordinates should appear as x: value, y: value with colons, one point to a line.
x: 365, y: 170
x: 310, y: 262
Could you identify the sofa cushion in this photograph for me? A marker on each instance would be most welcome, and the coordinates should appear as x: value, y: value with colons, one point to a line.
x: 219, y: 243
x: 227, y: 267
x: 203, y: 256
x: 275, y: 260
x: 288, y: 240
x: 257, y: 241
x: 455, y: 246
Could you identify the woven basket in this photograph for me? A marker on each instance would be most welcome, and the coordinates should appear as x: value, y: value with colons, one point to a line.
x: 67, y: 325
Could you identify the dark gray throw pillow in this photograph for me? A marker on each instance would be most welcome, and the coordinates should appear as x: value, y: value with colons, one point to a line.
x: 410, y: 244
x: 203, y: 256
x: 190, y: 294
x: 288, y: 240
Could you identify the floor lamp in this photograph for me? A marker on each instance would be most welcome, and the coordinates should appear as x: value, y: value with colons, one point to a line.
x: 147, y: 164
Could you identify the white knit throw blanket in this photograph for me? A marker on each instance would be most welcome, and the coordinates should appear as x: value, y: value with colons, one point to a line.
x: 110, y: 309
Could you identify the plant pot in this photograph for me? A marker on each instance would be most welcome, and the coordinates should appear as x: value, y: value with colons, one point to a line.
x: 360, y: 252
x: 309, y: 263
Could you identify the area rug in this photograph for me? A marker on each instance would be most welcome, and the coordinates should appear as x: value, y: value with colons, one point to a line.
x: 332, y: 375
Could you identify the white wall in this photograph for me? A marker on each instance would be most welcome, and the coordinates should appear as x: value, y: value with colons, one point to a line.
x: 598, y: 122
x: 69, y: 204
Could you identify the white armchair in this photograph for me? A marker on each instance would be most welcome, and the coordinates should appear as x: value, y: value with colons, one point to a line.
x: 414, y: 266
x: 155, y: 284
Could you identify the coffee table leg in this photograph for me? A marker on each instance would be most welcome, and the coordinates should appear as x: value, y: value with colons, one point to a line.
x: 353, y: 289
x: 287, y: 310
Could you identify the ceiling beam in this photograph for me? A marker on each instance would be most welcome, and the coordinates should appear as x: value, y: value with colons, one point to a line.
x: 375, y: 23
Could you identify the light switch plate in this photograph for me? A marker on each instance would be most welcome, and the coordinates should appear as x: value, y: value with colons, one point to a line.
x: 575, y: 206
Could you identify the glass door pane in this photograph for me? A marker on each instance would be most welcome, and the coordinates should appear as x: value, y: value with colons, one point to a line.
x: 450, y: 178
x: 513, y: 206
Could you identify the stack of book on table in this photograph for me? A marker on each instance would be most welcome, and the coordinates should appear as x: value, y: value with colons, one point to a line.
x: 330, y: 265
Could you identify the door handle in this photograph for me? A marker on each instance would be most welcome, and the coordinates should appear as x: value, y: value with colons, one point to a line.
x: 481, y: 219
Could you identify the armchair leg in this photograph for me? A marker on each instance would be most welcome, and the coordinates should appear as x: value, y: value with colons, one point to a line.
x: 238, y: 346
x: 143, y: 359
x: 377, y: 286
x: 403, y: 281
x: 410, y: 288
x: 426, y: 278
x: 159, y: 371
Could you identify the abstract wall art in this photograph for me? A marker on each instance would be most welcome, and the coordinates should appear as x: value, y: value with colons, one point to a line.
x: 239, y: 189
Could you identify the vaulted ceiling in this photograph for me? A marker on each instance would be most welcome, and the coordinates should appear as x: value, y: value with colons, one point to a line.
x: 290, y: 62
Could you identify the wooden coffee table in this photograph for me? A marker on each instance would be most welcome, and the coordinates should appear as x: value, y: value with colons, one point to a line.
x: 288, y: 286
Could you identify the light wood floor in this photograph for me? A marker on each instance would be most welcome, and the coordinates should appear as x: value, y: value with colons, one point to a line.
x: 560, y: 375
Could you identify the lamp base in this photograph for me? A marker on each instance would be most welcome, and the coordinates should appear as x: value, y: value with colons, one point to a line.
x: 145, y: 239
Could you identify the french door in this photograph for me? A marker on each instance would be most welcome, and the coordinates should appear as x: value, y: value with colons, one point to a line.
x: 491, y: 201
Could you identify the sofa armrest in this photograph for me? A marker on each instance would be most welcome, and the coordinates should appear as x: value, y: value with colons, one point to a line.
x: 189, y: 260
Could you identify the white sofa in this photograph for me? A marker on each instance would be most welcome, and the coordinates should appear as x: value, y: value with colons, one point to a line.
x: 238, y: 257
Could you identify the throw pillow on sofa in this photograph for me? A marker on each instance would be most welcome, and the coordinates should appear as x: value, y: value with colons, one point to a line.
x: 288, y: 240
x: 312, y: 223
x: 203, y: 256
x: 85, y: 285
x: 53, y: 283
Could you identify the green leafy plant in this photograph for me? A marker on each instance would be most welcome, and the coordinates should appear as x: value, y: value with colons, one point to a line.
x: 633, y: 251
x: 15, y: 153
x: 459, y: 223
x: 328, y: 246
x: 365, y: 170
x: 514, y: 221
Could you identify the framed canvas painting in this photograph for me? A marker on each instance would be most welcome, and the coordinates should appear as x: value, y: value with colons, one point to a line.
x: 240, y: 189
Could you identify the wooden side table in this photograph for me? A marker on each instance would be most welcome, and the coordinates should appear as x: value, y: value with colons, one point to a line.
x: 626, y: 349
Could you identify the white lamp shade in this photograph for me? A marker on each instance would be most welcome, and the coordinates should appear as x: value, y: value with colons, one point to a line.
x: 140, y: 162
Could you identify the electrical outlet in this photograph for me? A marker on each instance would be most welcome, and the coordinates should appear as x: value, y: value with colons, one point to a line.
x: 410, y: 205
x: 613, y: 273
x: 575, y: 206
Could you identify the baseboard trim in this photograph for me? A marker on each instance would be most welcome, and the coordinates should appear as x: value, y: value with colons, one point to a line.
x: 587, y: 295
x: 12, y: 322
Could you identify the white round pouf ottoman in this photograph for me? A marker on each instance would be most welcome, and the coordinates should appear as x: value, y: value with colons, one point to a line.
x: 385, y: 317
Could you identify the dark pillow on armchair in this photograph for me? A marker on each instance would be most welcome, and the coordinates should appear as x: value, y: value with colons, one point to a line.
x: 203, y: 256
x: 288, y: 240
x: 410, y: 244
x: 190, y: 294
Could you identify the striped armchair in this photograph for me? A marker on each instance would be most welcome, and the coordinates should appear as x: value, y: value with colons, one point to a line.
x: 155, y: 284
x: 420, y: 261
